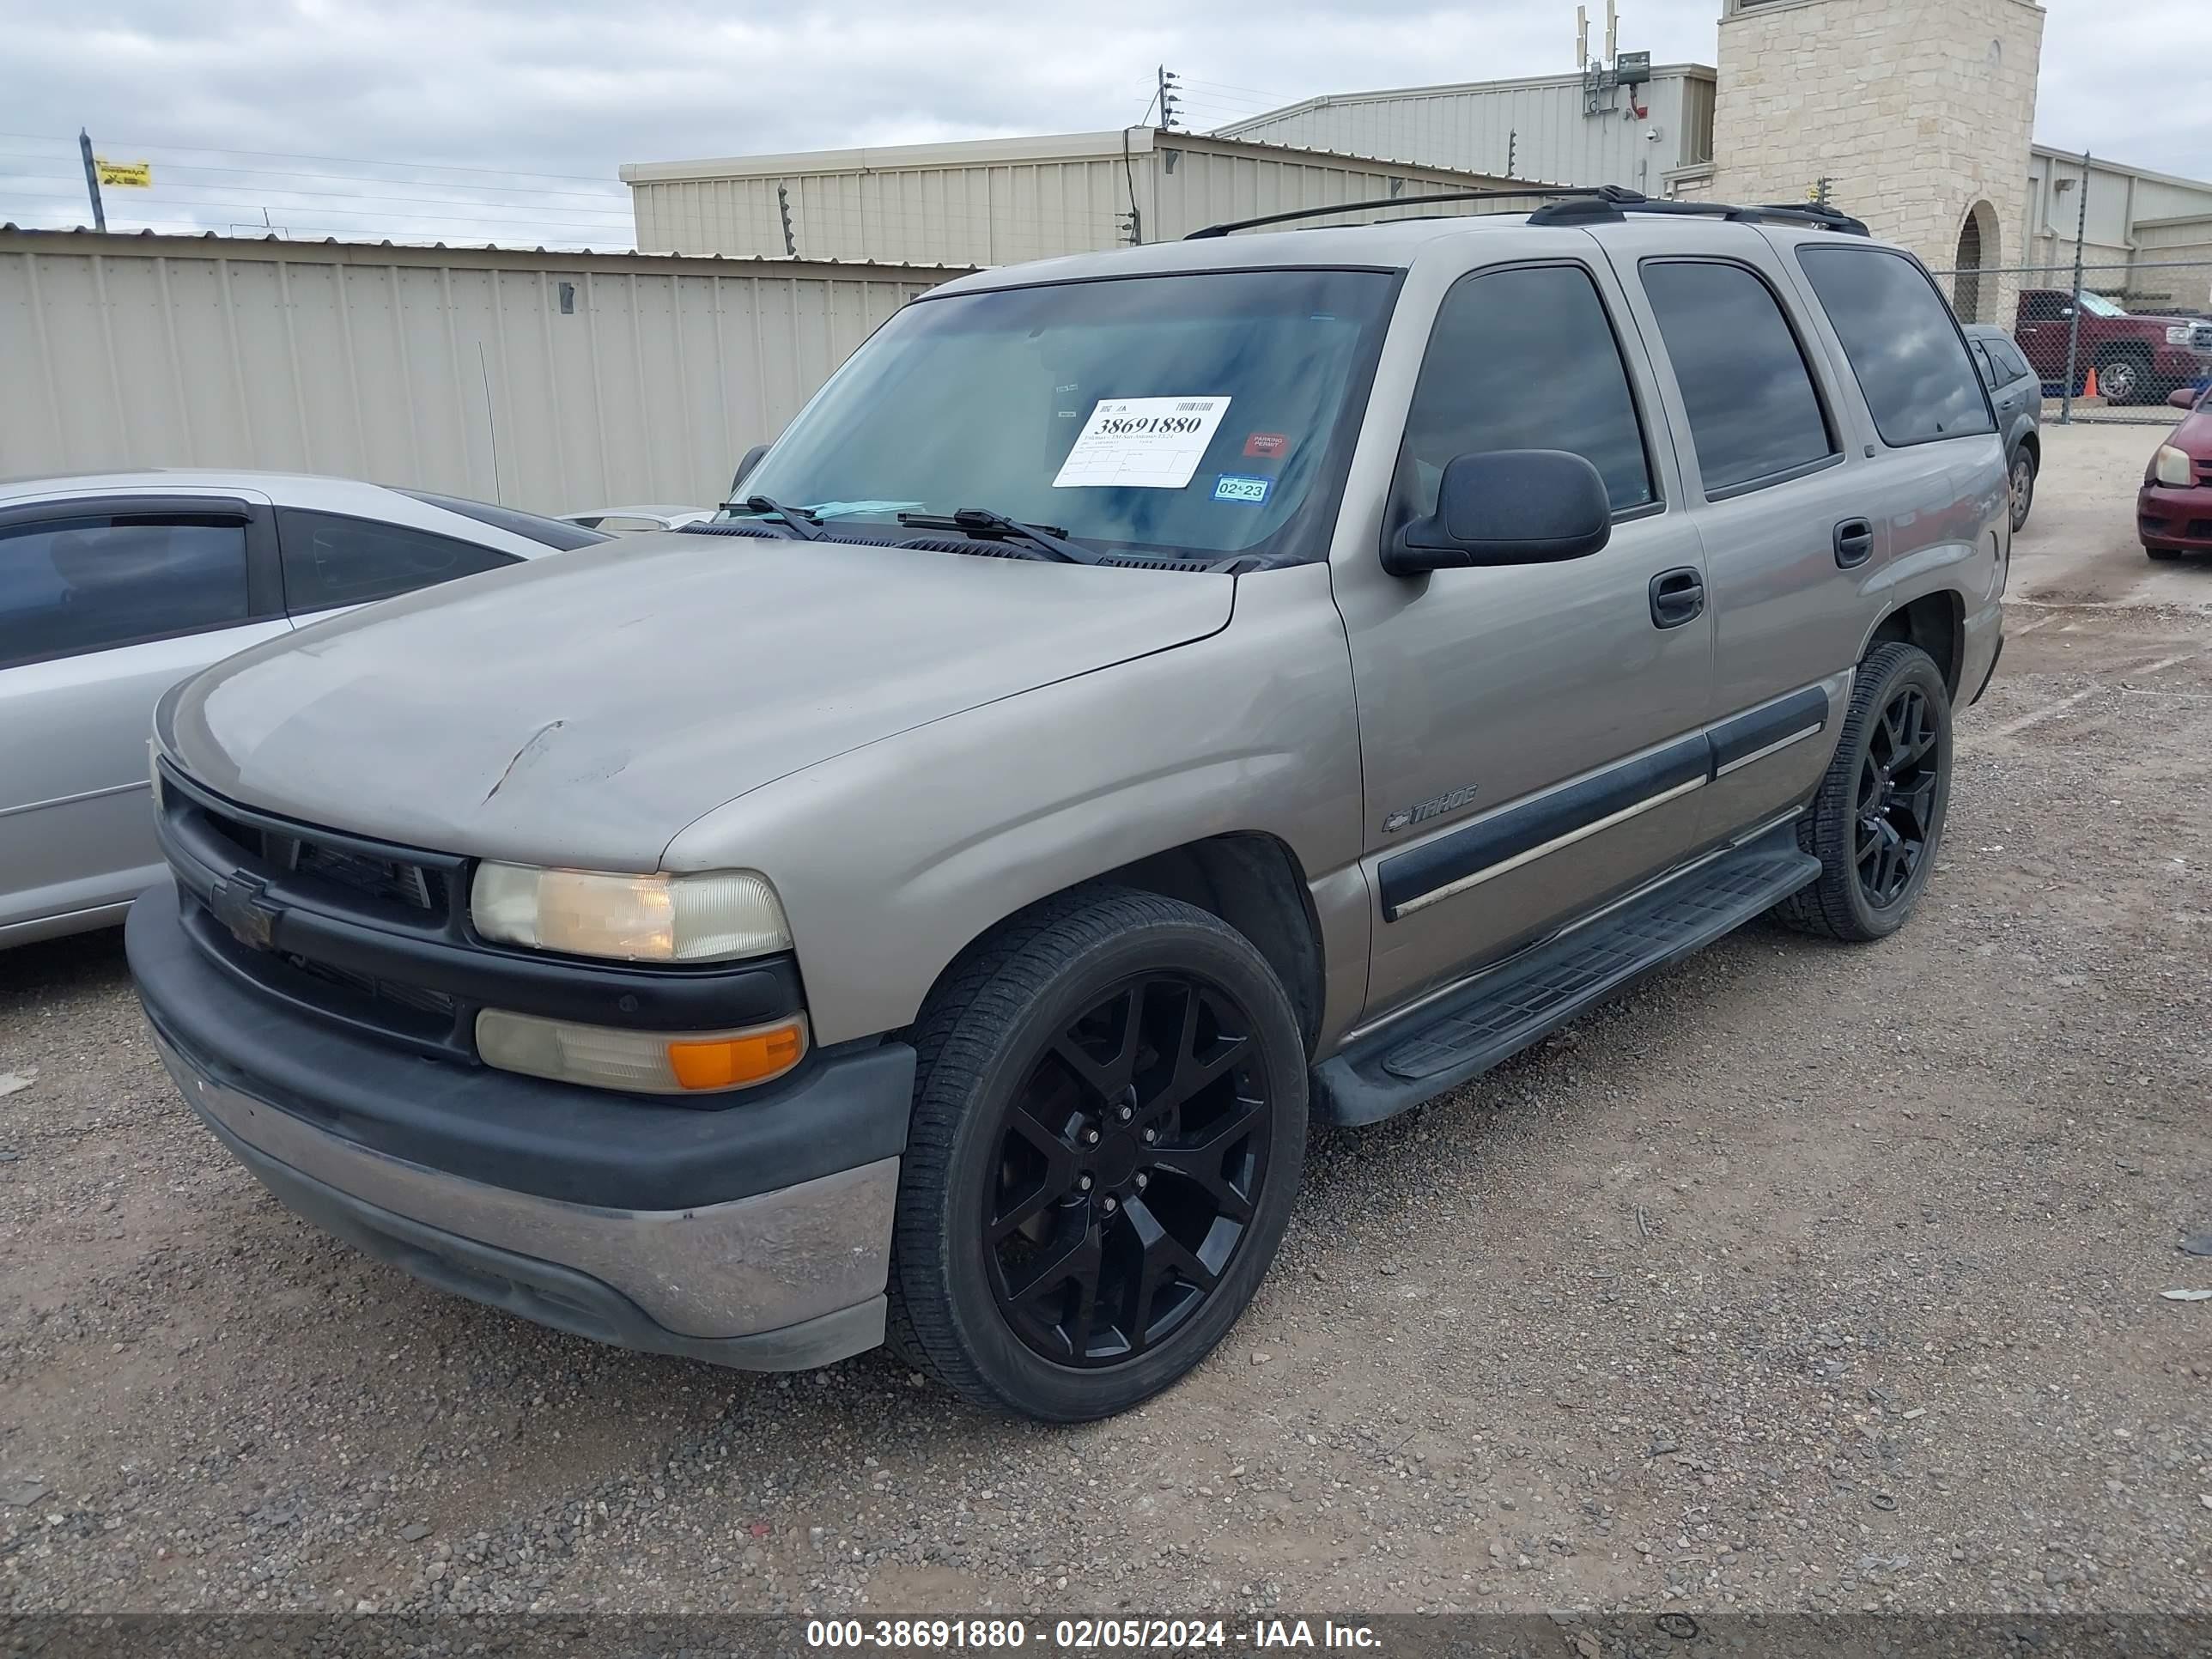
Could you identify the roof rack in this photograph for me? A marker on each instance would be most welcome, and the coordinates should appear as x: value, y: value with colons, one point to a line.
x: 1614, y: 211
x: 1568, y: 205
x: 1597, y: 195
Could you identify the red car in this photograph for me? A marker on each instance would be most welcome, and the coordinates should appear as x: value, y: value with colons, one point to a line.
x: 2174, y: 512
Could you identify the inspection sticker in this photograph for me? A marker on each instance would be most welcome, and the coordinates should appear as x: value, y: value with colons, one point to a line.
x: 1141, y: 443
x: 1233, y: 487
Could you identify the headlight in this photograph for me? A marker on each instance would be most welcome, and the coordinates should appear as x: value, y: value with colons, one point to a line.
x: 589, y: 913
x: 2174, y: 466
x: 2181, y: 334
x: 643, y: 1062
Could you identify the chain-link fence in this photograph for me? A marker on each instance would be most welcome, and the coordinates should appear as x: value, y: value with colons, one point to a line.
x: 2108, y: 342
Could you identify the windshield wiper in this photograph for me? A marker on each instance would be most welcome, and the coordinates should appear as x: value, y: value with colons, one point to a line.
x: 794, y: 519
x: 981, y: 521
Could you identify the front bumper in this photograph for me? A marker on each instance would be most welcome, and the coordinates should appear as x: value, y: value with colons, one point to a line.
x: 756, y: 1236
x: 2169, y: 517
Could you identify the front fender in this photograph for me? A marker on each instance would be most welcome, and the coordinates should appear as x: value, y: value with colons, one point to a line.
x: 891, y: 858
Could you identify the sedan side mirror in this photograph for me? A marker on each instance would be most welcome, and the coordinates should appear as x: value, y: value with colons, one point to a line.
x: 747, y: 463
x: 1509, y: 507
x: 2182, y: 398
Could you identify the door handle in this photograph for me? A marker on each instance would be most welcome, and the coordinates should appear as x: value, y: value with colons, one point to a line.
x: 1853, y: 542
x: 1677, y: 597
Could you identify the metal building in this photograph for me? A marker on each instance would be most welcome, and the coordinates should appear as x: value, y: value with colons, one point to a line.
x: 1551, y: 126
x: 551, y: 381
x: 2133, y: 214
x: 999, y: 201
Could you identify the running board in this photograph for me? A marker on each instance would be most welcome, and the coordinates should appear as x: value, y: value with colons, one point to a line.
x: 1445, y: 1044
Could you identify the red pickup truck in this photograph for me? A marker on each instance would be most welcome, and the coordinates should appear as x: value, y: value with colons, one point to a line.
x: 2138, y: 359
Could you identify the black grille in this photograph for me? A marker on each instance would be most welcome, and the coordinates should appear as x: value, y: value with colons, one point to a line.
x: 394, y: 881
x: 297, y: 874
x: 380, y: 990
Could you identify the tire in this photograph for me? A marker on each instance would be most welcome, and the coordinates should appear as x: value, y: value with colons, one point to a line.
x: 2021, y: 482
x: 1845, y: 832
x: 2123, y: 378
x: 1051, y: 1137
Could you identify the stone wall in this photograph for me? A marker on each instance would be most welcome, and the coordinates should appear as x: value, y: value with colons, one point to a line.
x: 1916, y: 112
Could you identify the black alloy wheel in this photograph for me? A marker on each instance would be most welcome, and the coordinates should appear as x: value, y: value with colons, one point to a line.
x: 1130, y: 1168
x: 1110, y: 1119
x: 1897, y: 798
x: 1876, y: 822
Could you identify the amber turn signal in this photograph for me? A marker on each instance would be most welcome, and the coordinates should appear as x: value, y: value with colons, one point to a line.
x: 734, y: 1062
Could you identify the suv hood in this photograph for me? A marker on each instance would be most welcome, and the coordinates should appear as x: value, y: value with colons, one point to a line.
x: 584, y: 707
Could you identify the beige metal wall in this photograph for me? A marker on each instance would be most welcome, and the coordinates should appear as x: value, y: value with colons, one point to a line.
x: 546, y: 380
x: 1543, y: 121
x: 997, y: 201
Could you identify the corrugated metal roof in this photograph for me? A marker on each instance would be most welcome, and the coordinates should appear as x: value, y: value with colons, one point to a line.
x: 986, y: 152
x: 1446, y: 89
x: 198, y: 242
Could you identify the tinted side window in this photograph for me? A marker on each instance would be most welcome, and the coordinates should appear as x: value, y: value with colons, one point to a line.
x: 82, y: 584
x: 1526, y: 360
x: 2007, y: 357
x: 331, y: 560
x: 1902, y: 342
x: 1992, y: 377
x: 1753, y: 413
x: 553, y: 532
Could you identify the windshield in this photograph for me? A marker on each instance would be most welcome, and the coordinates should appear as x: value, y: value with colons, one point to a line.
x: 1182, y: 415
x: 2098, y: 305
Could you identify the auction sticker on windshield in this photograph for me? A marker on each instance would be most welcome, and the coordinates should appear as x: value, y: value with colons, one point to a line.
x: 1141, y: 443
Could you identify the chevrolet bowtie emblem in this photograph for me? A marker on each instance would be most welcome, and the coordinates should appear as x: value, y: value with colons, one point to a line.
x: 241, y: 903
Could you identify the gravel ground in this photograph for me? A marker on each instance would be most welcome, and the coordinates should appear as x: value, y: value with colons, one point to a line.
x: 1805, y: 1277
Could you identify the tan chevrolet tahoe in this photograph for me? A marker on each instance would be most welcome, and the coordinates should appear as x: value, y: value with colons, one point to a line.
x: 1147, y: 704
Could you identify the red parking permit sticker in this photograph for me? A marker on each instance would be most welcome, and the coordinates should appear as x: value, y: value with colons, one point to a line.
x: 1268, y: 445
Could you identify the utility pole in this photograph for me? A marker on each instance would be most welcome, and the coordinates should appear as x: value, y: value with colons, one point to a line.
x: 92, y: 180
x: 1167, y: 101
x: 2074, y: 319
x: 1512, y: 150
x: 783, y: 207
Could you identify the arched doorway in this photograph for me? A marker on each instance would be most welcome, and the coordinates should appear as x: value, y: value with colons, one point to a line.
x: 1978, y: 252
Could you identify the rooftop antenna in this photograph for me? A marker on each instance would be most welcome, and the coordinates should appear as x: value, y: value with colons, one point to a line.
x: 1582, y: 37
x: 1612, y: 32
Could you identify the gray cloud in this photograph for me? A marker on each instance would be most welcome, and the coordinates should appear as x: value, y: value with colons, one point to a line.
x: 573, y: 87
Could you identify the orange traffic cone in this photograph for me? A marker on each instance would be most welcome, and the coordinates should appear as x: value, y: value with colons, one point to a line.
x: 2089, y: 386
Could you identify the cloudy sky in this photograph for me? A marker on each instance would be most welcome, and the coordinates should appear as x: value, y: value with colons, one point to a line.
x: 253, y: 105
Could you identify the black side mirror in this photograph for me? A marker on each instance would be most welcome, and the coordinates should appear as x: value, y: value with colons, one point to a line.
x: 1510, y: 506
x: 747, y: 463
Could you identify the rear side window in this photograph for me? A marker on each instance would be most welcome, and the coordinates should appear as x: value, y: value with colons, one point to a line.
x: 1526, y: 359
x: 550, y: 532
x: 1754, y: 416
x: 70, y: 585
x: 1992, y: 376
x: 2011, y: 365
x: 1903, y: 344
x: 331, y: 560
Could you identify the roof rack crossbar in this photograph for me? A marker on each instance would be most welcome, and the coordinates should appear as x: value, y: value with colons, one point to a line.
x: 1594, y: 211
x: 1613, y: 195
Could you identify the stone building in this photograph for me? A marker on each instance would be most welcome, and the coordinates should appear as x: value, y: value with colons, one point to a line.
x: 1918, y: 117
x: 1919, y: 114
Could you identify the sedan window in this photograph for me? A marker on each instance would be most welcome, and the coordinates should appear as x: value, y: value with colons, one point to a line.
x: 96, y: 581
x: 331, y: 560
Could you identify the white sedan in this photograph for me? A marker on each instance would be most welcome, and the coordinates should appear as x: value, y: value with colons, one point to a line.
x: 115, y: 587
x: 635, y: 521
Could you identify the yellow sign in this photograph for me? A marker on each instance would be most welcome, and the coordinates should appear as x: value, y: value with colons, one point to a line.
x: 135, y: 175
